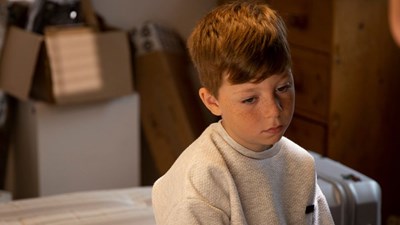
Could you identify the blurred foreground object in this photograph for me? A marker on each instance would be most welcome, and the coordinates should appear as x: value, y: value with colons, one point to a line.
x: 394, y: 19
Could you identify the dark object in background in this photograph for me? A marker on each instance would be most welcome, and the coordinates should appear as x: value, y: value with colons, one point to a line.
x: 7, y: 106
x: 54, y: 13
x: 18, y: 14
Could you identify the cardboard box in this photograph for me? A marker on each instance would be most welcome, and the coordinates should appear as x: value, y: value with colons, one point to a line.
x: 170, y: 109
x: 80, y: 147
x: 67, y: 65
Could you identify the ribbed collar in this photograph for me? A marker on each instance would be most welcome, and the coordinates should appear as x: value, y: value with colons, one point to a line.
x: 268, y: 153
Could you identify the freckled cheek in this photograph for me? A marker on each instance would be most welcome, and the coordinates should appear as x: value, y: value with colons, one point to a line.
x: 250, y: 117
x: 288, y: 102
x: 243, y: 114
x: 234, y: 112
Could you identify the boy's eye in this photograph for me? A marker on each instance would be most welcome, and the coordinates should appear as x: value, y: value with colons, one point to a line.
x: 249, y: 100
x: 284, y: 88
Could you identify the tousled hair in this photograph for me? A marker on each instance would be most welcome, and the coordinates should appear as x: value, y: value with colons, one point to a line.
x: 246, y: 40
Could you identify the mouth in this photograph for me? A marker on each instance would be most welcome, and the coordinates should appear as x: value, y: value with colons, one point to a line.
x: 274, y: 130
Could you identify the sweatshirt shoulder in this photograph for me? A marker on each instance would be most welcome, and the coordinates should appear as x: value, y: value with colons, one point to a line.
x: 286, y: 142
x: 296, y: 151
x: 198, y: 173
x: 199, y: 160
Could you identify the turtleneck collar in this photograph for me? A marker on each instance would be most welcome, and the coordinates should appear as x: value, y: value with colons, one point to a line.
x: 268, y: 153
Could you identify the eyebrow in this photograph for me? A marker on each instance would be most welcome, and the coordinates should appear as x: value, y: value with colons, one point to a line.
x: 283, y: 76
x: 249, y: 89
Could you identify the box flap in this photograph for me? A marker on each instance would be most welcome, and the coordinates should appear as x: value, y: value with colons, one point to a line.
x: 18, y: 62
x: 86, y: 65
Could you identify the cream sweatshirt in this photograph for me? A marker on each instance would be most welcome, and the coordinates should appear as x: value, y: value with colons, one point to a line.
x: 217, y: 181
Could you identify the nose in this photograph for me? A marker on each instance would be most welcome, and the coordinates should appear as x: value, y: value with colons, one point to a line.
x: 272, y: 107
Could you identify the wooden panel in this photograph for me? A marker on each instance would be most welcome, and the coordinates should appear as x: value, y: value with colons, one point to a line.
x: 307, y: 134
x: 365, y: 81
x: 365, y: 105
x: 309, y: 22
x: 311, y: 71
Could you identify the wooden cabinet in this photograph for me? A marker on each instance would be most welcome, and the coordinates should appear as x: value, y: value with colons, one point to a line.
x: 347, y: 76
x: 346, y: 68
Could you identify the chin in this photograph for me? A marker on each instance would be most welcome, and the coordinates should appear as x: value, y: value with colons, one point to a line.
x: 273, y: 140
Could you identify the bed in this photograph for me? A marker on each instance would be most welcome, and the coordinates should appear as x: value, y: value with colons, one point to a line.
x: 104, y: 207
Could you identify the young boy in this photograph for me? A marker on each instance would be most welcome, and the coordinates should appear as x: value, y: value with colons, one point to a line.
x: 242, y: 170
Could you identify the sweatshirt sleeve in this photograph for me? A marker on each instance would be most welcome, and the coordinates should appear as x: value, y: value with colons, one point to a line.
x: 323, y: 215
x: 198, y: 196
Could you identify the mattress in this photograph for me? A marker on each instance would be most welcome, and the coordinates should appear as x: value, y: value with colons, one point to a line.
x: 105, y: 207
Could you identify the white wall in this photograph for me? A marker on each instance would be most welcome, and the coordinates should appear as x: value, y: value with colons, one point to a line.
x: 181, y: 15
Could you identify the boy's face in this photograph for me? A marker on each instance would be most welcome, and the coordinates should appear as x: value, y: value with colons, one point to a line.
x: 255, y: 115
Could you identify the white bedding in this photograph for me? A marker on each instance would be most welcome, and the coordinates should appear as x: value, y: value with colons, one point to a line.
x: 107, y: 207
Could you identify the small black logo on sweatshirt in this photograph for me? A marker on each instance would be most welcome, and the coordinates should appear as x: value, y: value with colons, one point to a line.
x: 309, y: 209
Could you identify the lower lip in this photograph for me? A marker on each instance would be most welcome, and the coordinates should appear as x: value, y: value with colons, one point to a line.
x: 276, y: 130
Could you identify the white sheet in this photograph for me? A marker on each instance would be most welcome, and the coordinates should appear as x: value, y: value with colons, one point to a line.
x: 108, y: 207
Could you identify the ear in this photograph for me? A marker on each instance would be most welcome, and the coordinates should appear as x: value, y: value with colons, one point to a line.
x: 210, y: 101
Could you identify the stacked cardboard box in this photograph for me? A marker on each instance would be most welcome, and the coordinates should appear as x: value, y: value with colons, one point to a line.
x: 68, y: 64
x: 77, y: 125
x: 170, y: 112
x: 76, y: 147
